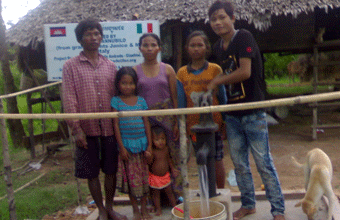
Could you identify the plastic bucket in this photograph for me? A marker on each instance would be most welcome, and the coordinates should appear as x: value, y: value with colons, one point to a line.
x: 217, y: 211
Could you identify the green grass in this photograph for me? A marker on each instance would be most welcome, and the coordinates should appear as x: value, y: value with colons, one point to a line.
x: 52, y: 193
x: 50, y: 124
x: 285, y: 87
x: 56, y: 190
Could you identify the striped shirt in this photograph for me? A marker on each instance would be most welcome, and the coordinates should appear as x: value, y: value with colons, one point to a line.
x: 132, y: 129
x: 88, y: 89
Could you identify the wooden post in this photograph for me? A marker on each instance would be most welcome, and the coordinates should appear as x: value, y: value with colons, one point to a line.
x: 43, y: 110
x: 7, y: 166
x: 315, y: 91
x: 30, y: 125
x: 177, y: 36
x: 44, y: 95
x: 184, y: 170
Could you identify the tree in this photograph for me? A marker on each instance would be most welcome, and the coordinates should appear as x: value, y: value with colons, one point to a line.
x: 6, y: 157
x: 15, y: 126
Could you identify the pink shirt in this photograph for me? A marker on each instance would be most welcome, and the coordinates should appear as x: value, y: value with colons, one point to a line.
x: 87, y: 88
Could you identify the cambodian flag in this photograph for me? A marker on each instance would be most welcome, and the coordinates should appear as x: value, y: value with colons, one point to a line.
x: 58, y: 31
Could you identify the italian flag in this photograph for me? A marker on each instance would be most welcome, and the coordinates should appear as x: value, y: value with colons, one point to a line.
x: 140, y: 28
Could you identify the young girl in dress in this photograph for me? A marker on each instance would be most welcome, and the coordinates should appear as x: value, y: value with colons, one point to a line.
x: 134, y: 139
x: 193, y: 80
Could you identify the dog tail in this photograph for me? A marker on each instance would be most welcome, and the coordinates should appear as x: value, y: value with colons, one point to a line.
x: 296, y: 163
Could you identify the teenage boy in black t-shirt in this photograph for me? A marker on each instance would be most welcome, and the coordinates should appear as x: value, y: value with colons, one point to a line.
x: 239, y: 56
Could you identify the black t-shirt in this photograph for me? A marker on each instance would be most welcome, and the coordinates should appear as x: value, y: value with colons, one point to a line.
x: 243, y: 45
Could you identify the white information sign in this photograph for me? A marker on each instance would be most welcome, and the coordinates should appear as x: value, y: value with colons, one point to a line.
x: 120, y: 44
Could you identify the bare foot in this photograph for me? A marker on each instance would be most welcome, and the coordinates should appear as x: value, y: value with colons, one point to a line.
x: 243, y: 212
x: 115, y: 215
x: 146, y: 216
x: 102, y: 215
x: 279, y: 217
x: 137, y: 216
x: 158, y: 212
x: 151, y: 209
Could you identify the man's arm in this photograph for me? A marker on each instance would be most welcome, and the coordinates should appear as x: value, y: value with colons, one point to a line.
x: 240, y: 74
x: 70, y: 105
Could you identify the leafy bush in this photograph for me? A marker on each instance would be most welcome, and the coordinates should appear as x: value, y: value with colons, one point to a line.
x: 275, y: 66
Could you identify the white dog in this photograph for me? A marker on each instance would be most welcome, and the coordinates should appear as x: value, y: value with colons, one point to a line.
x: 318, y: 175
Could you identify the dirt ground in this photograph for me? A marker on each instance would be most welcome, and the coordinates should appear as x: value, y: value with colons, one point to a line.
x: 292, y: 136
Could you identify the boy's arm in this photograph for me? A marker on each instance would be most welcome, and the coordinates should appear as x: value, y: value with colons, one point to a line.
x: 240, y: 74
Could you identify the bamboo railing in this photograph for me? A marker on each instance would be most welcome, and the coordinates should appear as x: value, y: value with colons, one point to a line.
x: 181, y: 112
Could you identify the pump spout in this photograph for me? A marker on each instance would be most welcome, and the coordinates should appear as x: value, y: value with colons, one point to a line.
x: 205, y: 148
x: 202, y: 155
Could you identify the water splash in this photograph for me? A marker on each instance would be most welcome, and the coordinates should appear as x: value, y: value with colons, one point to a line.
x: 204, y: 190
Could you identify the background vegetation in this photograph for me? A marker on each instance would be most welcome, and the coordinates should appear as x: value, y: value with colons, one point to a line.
x: 275, y: 65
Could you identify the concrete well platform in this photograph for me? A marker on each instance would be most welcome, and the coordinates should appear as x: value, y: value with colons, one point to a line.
x: 262, y: 207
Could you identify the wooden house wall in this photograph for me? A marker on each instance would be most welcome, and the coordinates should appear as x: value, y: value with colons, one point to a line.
x: 286, y: 34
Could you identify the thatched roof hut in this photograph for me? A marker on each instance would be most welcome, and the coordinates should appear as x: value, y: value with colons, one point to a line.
x: 29, y: 30
x: 257, y: 15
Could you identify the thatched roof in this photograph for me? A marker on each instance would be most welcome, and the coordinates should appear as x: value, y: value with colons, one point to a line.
x: 29, y: 30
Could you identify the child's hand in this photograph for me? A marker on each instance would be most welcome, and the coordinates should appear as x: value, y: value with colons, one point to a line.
x: 124, y: 154
x: 148, y: 151
x: 176, y: 132
x: 175, y: 172
x: 147, y: 154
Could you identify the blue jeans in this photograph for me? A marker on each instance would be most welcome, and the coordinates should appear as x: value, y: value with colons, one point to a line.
x: 250, y: 133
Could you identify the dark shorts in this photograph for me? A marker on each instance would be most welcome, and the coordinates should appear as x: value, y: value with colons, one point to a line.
x: 102, y: 153
x: 219, y: 146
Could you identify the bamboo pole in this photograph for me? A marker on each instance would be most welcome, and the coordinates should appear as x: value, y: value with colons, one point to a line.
x: 25, y: 185
x: 7, y: 166
x: 183, y: 111
x: 45, y: 97
x: 29, y: 90
x: 184, y: 170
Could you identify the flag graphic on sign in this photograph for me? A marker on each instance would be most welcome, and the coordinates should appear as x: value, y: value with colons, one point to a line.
x: 148, y: 26
x: 58, y: 31
x: 139, y: 29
